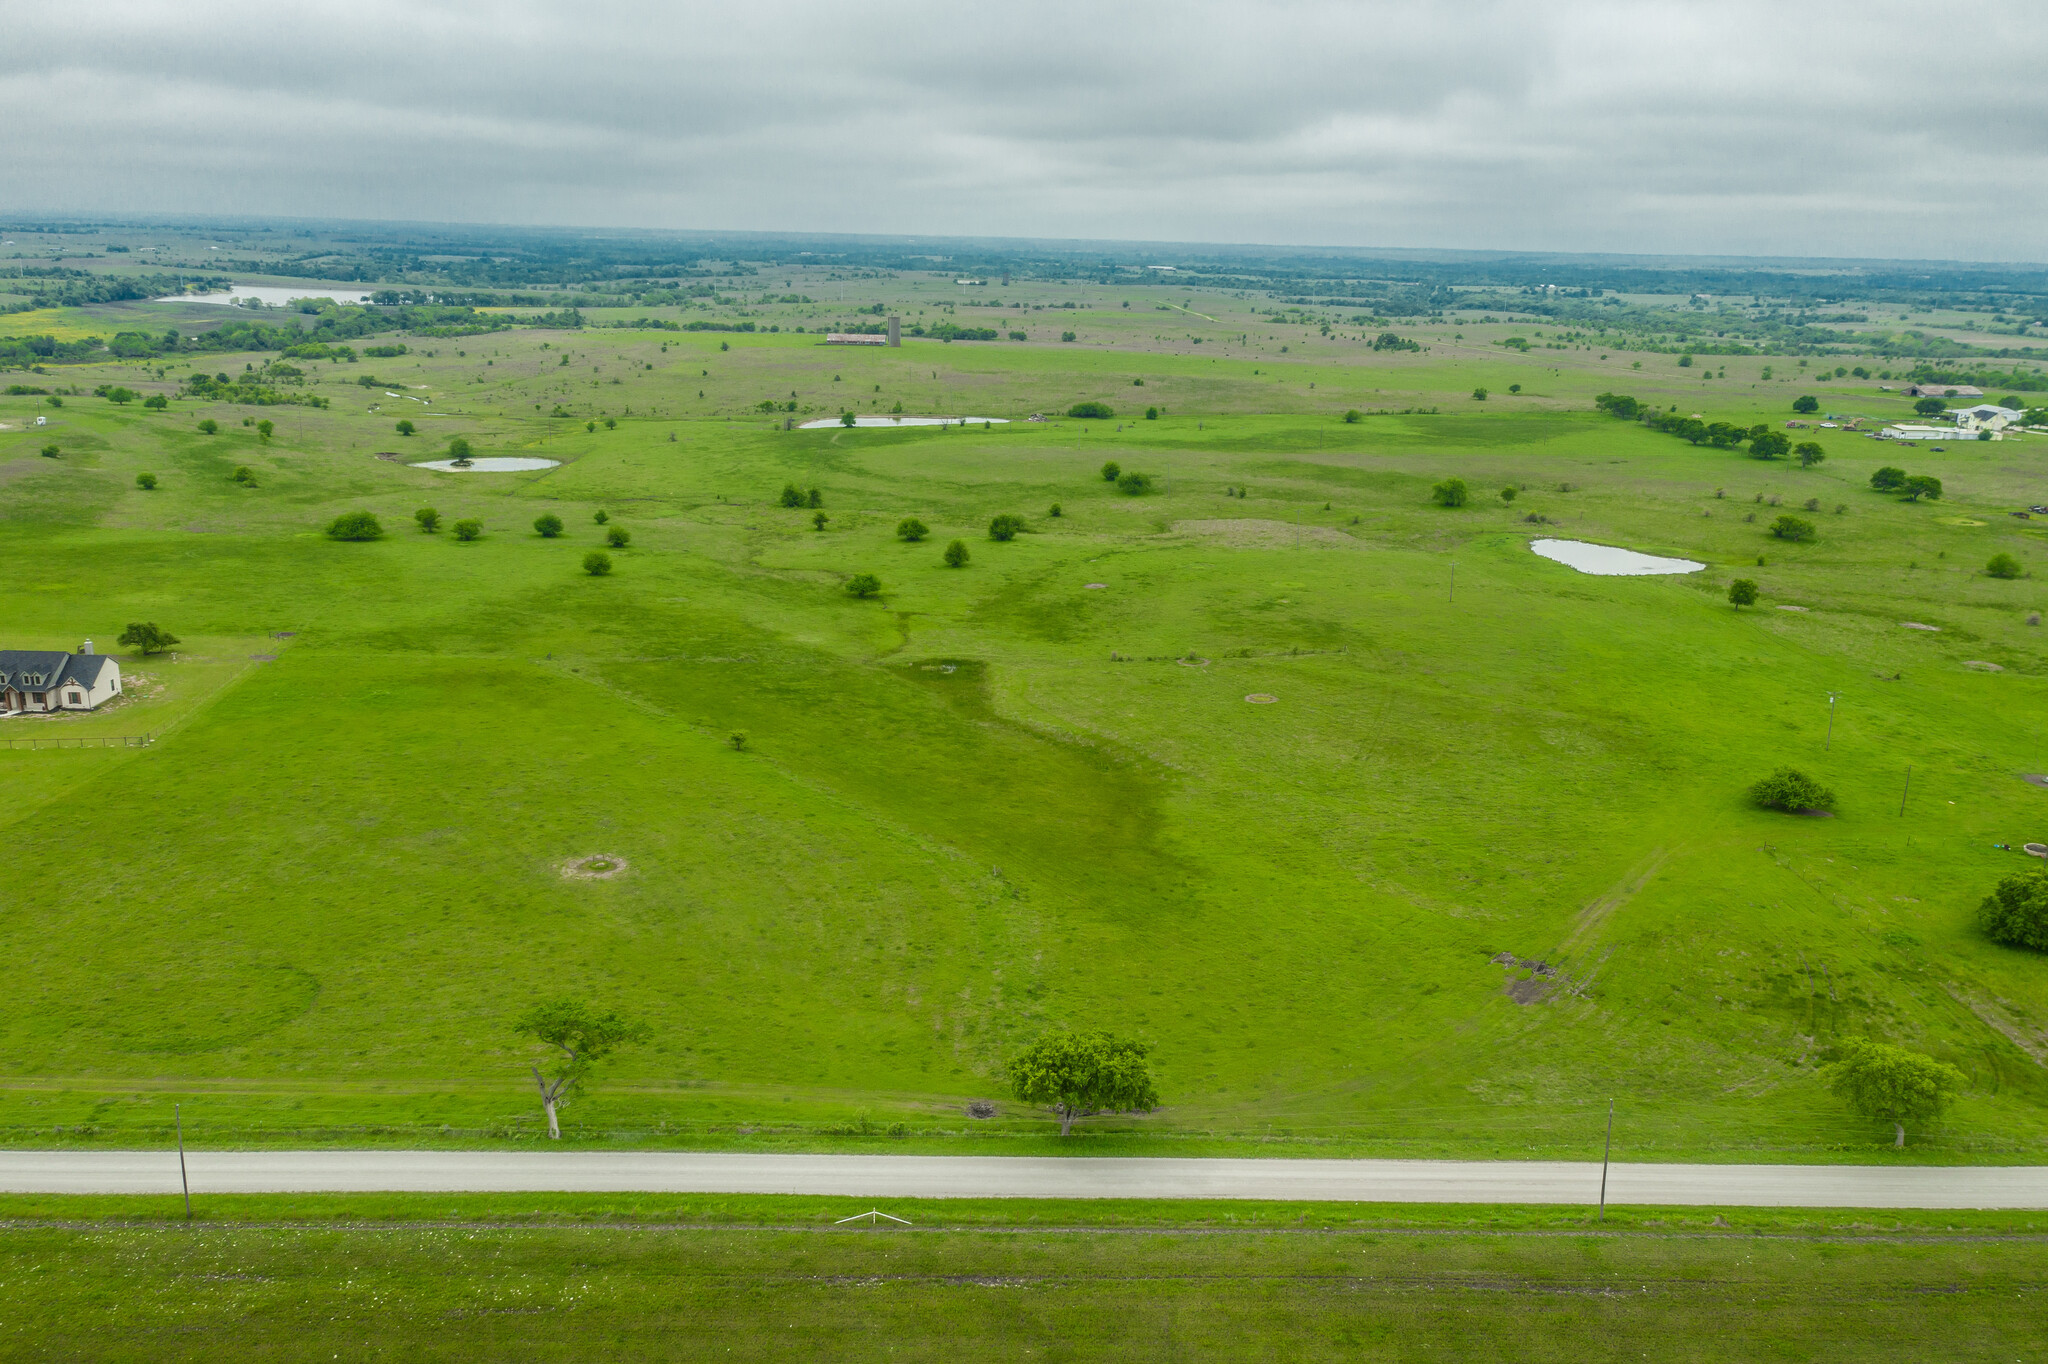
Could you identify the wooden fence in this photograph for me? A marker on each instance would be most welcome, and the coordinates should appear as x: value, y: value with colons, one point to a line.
x: 41, y: 741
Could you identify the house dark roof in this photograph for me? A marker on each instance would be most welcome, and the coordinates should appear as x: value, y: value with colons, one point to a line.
x: 42, y: 669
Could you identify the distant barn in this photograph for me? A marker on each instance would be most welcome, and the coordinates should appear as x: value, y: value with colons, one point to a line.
x: 855, y: 339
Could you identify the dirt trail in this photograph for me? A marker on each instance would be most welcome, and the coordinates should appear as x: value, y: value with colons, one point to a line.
x: 1620, y: 893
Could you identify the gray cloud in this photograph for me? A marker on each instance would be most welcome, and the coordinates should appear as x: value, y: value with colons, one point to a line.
x: 1625, y: 125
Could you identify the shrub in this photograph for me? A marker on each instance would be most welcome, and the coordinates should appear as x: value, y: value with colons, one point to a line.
x: 1067, y: 336
x: 428, y: 518
x: 846, y: 419
x: 2016, y: 911
x: 1918, y: 486
x: 243, y: 475
x: 1452, y: 492
x: 863, y: 585
x: 1134, y: 484
x: 1053, y: 510
x: 156, y: 402
x: 1742, y: 592
x: 51, y: 452
x: 911, y: 530
x: 814, y: 498
x: 356, y: 525
x: 1795, y: 528
x: 956, y: 554
x: 145, y: 481
x: 1507, y: 494
x: 2003, y: 565
x: 548, y: 524
x: 265, y: 428
x: 1888, y: 479
x: 1151, y: 414
x: 792, y: 496
x: 597, y: 563
x: 406, y: 428
x: 618, y: 537
x: 1110, y: 471
x: 601, y: 517
x: 1806, y: 403
x: 1479, y: 395
x: 1005, y: 527
x: 209, y: 427
x: 1790, y: 789
x: 1353, y: 417
x: 818, y: 520
x: 1093, y: 411
x: 468, y: 529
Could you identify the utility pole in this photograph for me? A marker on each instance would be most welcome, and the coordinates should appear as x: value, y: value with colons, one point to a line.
x: 178, y: 1114
x: 1829, y: 745
x: 1605, y: 1153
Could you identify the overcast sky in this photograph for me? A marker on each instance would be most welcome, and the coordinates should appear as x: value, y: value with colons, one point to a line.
x: 1717, y: 126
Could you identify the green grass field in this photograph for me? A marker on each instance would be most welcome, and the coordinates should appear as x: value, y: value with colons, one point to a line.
x: 1002, y: 796
x: 773, y: 1279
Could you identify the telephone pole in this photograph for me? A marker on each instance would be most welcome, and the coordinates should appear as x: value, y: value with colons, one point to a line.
x: 1606, y: 1152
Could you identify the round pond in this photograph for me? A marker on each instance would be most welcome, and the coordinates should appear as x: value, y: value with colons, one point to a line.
x: 489, y: 464
x: 1609, y: 562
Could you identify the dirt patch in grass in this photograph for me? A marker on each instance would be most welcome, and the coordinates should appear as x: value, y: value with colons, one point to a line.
x: 597, y: 867
x: 2037, y: 778
x: 1250, y: 533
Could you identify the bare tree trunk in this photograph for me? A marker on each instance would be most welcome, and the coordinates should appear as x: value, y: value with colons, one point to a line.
x: 1901, y: 1142
x: 1066, y: 1120
x: 554, y: 1128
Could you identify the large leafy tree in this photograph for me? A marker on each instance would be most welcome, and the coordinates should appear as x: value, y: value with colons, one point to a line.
x: 1078, y: 1074
x: 147, y: 637
x: 1892, y: 1084
x: 2016, y: 911
x: 577, y: 1037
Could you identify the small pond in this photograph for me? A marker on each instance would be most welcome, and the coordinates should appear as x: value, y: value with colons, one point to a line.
x: 268, y: 295
x: 1609, y: 562
x: 489, y: 464
x: 903, y: 421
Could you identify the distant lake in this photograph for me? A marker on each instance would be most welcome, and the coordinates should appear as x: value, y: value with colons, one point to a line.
x: 489, y: 464
x: 1609, y: 562
x: 902, y: 421
x: 276, y: 298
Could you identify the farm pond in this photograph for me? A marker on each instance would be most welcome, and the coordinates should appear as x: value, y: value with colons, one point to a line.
x: 489, y: 464
x: 1608, y: 561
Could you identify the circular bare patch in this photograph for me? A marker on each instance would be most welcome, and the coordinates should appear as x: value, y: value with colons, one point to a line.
x: 1259, y: 698
x: 601, y: 867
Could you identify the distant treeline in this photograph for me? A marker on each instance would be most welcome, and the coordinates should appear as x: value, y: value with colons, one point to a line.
x: 67, y: 288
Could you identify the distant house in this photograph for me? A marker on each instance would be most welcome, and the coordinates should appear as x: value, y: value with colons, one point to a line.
x: 1986, y: 417
x: 34, y: 681
x: 1912, y: 432
x: 1944, y: 391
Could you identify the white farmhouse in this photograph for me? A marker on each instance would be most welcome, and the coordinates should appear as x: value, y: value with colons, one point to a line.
x: 1987, y: 417
x: 34, y: 681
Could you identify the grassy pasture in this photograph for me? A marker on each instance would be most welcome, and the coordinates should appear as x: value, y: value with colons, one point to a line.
x: 997, y: 797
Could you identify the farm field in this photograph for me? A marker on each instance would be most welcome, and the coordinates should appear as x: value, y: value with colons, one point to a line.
x: 1024, y: 791
x: 768, y: 1279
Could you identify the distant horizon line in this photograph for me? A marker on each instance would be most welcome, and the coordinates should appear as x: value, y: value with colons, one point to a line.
x: 28, y: 221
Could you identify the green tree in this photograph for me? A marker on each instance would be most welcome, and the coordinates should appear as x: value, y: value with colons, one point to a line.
x: 818, y: 520
x: 601, y: 517
x: 1891, y: 1084
x: 911, y: 530
x: 1888, y: 479
x: 1742, y: 592
x: 1795, y: 528
x: 2003, y: 565
x: 120, y: 395
x: 814, y: 498
x: 1769, y: 445
x: 1005, y: 527
x: 243, y: 475
x: 611, y: 423
x: 145, y: 481
x: 577, y: 1038
x: 792, y: 496
x: 1930, y: 407
x: 1353, y: 417
x: 355, y: 525
x: 1918, y: 486
x: 548, y: 524
x: 618, y: 537
x: 146, y: 637
x: 1809, y: 453
x: 429, y: 519
x: 1790, y: 789
x: 1806, y: 403
x: 1151, y: 414
x: 265, y: 428
x: 1054, y: 511
x: 458, y: 451
x: 1077, y: 1075
x: 156, y: 402
x: 597, y: 563
x: 1134, y: 484
x: 406, y: 428
x: 1452, y: 492
x: 1479, y: 395
x: 2015, y: 913
x: 956, y: 554
x: 209, y: 427
x: 863, y: 585
x: 1110, y: 471
x: 1092, y: 411
x: 846, y: 419
x: 467, y: 529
